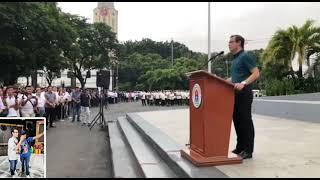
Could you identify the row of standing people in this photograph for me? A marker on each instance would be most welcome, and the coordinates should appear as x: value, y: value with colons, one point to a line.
x: 49, y: 102
x: 164, y: 98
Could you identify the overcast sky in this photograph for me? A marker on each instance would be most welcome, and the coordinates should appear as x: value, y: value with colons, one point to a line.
x: 187, y: 22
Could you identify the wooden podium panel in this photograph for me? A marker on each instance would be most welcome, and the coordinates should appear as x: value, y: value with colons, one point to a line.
x: 211, y: 109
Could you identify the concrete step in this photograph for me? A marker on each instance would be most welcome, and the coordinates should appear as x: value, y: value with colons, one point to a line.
x: 124, y: 165
x: 169, y: 151
x: 150, y: 163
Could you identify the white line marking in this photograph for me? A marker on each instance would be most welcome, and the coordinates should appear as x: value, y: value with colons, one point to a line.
x: 289, y: 101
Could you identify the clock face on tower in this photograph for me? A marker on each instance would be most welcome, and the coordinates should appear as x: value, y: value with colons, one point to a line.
x: 104, y: 12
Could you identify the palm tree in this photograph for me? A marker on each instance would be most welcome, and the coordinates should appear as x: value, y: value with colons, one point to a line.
x: 285, y: 45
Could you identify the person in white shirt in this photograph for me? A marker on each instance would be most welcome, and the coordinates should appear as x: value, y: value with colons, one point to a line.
x: 157, y: 98
x: 163, y: 98
x: 178, y: 94
x: 152, y: 98
x: 184, y: 97
x: 41, y: 102
x: 127, y: 97
x: 28, y: 103
x: 2, y: 106
x: 167, y: 94
x: 12, y: 103
x: 143, y: 98
x: 12, y: 151
x: 67, y: 101
x: 57, y: 101
x: 172, y: 98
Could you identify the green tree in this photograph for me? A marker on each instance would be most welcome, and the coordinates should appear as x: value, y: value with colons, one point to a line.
x: 293, y: 42
x: 92, y: 47
x: 32, y: 36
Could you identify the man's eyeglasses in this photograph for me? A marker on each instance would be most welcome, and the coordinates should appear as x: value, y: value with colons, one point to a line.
x: 15, y: 132
x: 231, y: 42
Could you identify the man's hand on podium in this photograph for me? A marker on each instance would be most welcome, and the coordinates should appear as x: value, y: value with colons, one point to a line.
x: 239, y: 86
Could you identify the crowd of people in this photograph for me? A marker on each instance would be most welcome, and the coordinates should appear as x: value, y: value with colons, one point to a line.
x: 51, y: 102
x: 157, y: 98
x: 58, y: 103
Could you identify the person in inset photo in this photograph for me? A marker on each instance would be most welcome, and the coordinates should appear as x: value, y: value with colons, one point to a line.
x: 12, y: 152
x: 24, y: 149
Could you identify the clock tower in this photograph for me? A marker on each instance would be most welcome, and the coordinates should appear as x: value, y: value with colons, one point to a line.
x: 106, y: 13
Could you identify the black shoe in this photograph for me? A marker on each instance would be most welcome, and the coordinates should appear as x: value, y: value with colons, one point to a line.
x: 245, y: 155
x: 236, y: 151
x: 52, y: 126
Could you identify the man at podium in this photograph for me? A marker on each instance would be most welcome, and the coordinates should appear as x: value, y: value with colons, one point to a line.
x: 243, y: 73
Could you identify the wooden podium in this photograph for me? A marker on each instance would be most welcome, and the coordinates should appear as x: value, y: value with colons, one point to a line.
x: 211, y: 108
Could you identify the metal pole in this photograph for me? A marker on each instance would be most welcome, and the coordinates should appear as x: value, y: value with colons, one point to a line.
x: 172, y: 51
x: 209, y: 38
x: 117, y: 80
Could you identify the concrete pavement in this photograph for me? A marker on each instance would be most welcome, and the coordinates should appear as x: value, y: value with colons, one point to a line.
x: 283, y: 148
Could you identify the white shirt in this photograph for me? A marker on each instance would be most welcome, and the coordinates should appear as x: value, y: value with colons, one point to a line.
x: 184, y: 95
x: 41, y: 101
x: 57, y: 95
x: 67, y: 96
x: 28, y: 107
x: 178, y: 94
x: 1, y: 104
x: 162, y: 96
x: 42, y: 94
x: 11, y: 111
x: 171, y: 96
x: 12, y: 144
x: 151, y: 96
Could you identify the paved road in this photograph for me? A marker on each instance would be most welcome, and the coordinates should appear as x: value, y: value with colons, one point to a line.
x: 304, y: 107
x: 74, y: 151
x: 36, y: 169
x: 301, y: 97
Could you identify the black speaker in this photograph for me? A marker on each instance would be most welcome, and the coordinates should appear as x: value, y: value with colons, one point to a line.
x: 103, y: 79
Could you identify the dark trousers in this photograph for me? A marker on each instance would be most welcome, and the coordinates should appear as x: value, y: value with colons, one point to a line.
x: 242, y: 119
x: 25, y: 164
x: 50, y: 115
x: 13, y: 166
x: 76, y: 111
x: 143, y: 102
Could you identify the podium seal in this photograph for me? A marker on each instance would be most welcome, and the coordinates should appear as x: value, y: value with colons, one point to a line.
x: 196, y: 95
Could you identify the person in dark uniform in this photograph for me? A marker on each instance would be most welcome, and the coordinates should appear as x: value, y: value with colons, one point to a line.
x: 243, y: 73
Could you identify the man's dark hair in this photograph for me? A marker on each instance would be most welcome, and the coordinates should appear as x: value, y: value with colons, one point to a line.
x: 28, y: 86
x: 12, y: 130
x: 238, y: 38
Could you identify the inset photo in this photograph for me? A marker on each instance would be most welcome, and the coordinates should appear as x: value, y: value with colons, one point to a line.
x: 22, y: 147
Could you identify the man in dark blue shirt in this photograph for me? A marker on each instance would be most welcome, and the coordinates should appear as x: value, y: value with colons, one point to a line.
x: 243, y: 73
x: 24, y: 147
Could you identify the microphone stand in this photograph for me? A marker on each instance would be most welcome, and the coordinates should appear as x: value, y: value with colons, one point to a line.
x: 213, y: 58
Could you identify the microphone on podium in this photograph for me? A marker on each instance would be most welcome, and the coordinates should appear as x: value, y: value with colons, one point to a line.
x: 212, y: 58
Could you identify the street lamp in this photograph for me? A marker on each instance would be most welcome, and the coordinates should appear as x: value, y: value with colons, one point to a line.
x: 172, y: 51
x: 209, y: 38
